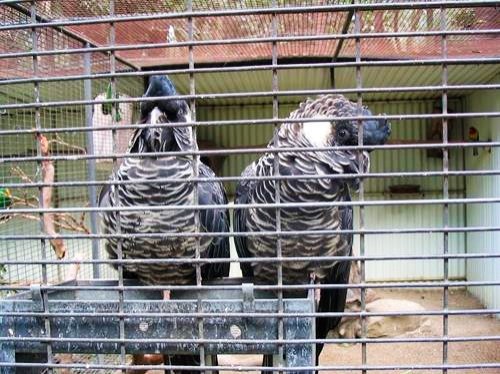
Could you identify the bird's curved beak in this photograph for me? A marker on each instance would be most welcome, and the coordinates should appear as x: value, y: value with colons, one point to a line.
x: 376, y: 132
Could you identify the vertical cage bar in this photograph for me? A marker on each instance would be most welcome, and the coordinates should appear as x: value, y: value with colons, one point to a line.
x: 277, y: 183
x: 114, y: 136
x: 38, y: 126
x: 361, y: 192
x: 340, y: 44
x: 91, y: 163
x: 444, y: 100
x: 196, y: 160
x: 464, y: 181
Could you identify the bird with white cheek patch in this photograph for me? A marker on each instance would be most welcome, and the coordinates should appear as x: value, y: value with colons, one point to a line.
x: 318, y: 133
x: 320, y: 124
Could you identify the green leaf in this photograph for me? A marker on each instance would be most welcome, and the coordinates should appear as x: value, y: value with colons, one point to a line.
x: 108, y: 107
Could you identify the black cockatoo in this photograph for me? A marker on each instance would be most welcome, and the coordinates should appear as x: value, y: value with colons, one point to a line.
x: 327, y: 133
x: 148, y: 191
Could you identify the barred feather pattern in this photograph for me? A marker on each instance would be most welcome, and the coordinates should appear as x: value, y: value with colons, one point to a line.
x: 291, y: 135
x: 293, y: 219
x: 146, y: 221
x: 142, y: 189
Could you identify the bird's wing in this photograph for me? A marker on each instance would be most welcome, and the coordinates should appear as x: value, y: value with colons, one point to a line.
x: 242, y: 196
x: 214, y: 220
x: 333, y: 299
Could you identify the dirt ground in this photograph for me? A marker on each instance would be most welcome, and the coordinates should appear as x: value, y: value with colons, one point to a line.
x: 429, y: 353
x: 417, y: 353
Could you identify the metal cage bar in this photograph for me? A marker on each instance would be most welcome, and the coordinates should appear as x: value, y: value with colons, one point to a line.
x: 57, y: 57
x: 446, y: 214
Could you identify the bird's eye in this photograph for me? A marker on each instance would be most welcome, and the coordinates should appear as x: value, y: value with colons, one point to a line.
x: 343, y: 133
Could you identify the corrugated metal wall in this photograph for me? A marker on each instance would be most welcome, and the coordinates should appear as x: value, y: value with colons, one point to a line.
x: 421, y: 244
x: 487, y: 186
x: 382, y: 161
x: 229, y: 137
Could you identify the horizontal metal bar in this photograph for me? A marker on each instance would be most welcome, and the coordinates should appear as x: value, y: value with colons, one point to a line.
x: 246, y: 368
x: 423, y: 230
x: 233, y: 41
x: 486, y: 200
x: 283, y: 66
x: 258, y: 11
x: 265, y: 121
x: 269, y: 287
x: 113, y: 182
x: 318, y: 259
x: 236, y: 95
x: 43, y: 339
x: 117, y: 315
x: 235, y: 151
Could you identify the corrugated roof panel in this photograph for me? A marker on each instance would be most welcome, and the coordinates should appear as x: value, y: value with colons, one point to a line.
x: 414, y: 76
x: 227, y: 82
x: 319, y: 78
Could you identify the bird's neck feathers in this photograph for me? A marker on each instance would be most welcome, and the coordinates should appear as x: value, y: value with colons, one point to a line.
x: 162, y: 139
x: 184, y: 135
x: 156, y: 116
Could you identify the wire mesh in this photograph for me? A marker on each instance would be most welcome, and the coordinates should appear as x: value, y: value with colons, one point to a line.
x: 423, y: 294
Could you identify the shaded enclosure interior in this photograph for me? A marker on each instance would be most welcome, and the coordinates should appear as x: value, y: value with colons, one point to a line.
x: 307, y: 42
